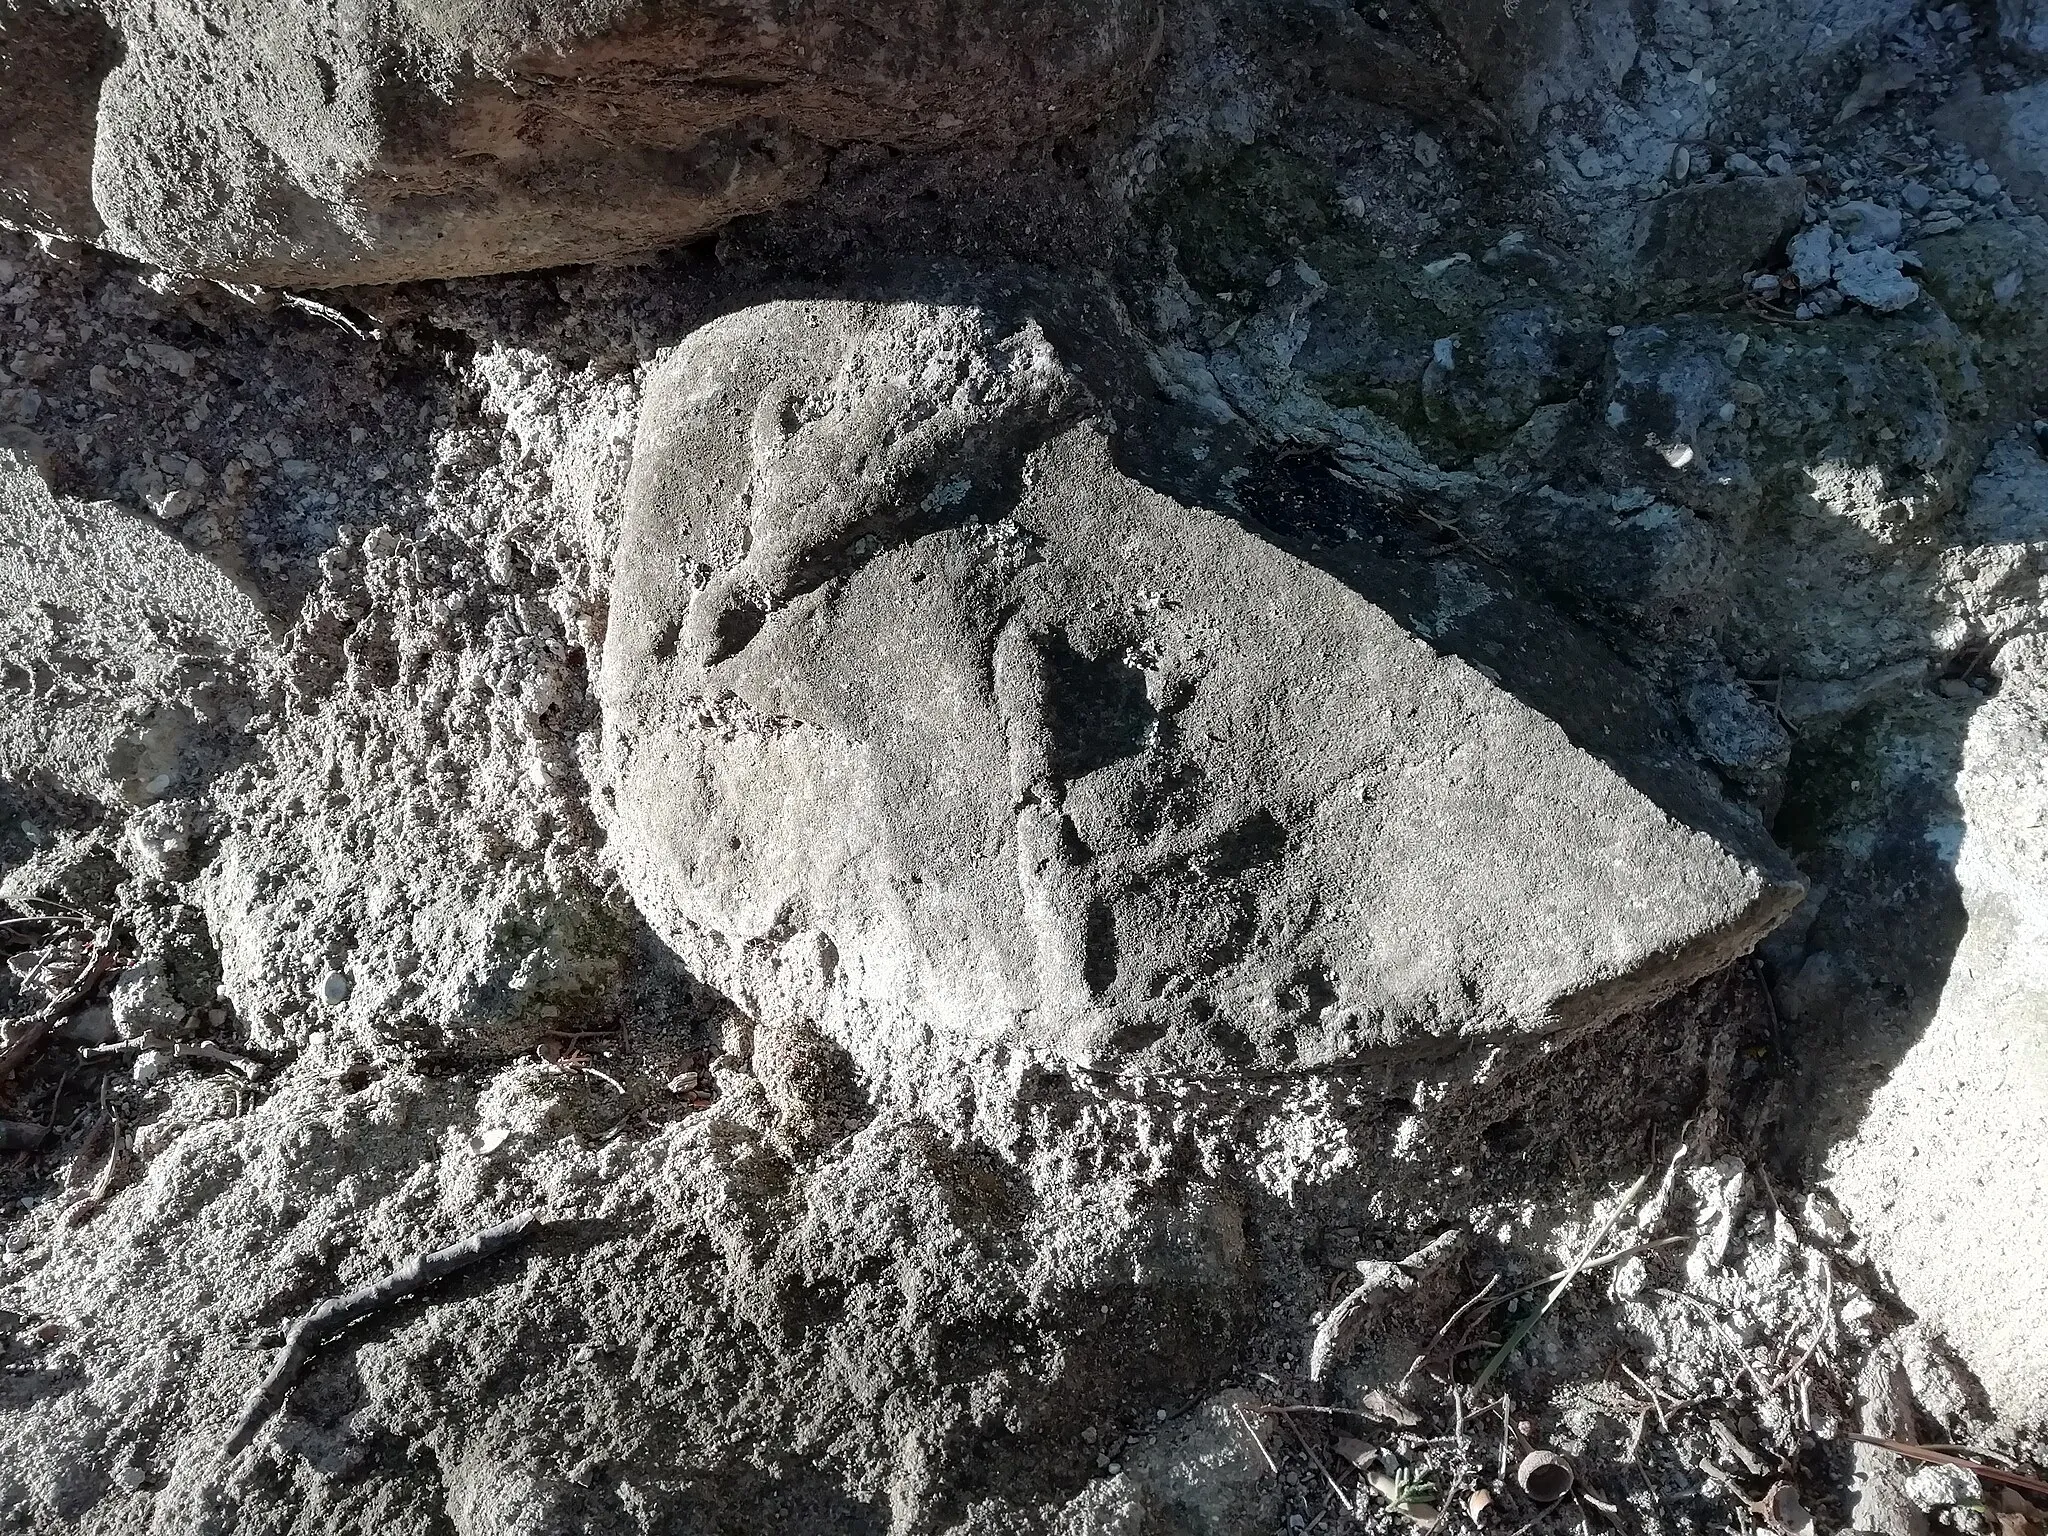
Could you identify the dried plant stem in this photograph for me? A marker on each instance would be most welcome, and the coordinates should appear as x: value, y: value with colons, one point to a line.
x: 1528, y: 1324
x: 337, y: 1313
x: 1989, y: 1473
x: 15, y: 1055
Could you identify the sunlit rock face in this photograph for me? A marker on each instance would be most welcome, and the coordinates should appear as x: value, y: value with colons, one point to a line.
x: 925, y: 720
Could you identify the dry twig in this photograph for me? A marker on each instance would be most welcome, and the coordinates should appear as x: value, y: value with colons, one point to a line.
x: 1416, y: 1364
x: 1985, y: 1470
x: 338, y: 1312
x: 1383, y: 1282
x: 1257, y: 1439
x: 182, y: 1050
x: 15, y: 1055
x: 1309, y: 1451
x: 1528, y: 1324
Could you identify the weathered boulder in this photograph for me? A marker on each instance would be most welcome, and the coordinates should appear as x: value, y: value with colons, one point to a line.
x: 1937, y: 928
x: 923, y: 719
x: 152, y: 644
x: 309, y: 144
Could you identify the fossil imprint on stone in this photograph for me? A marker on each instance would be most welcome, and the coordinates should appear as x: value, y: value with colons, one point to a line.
x: 925, y: 721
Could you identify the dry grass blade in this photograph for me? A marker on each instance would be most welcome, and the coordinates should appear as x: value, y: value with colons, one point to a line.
x: 1449, y: 1322
x: 1602, y: 1262
x: 1528, y: 1324
x: 1257, y: 1439
x: 1310, y: 1452
x: 1985, y: 1470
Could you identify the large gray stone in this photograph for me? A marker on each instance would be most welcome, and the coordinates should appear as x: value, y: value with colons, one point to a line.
x: 924, y: 720
x: 132, y: 646
x: 1943, y: 1168
x: 311, y: 143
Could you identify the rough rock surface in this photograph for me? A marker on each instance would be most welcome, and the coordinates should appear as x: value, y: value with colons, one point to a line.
x: 2023, y: 27
x: 303, y: 144
x: 2008, y: 128
x: 52, y: 57
x: 101, y: 604
x: 1034, y: 753
x: 1959, y: 1233
x: 1707, y: 238
x: 306, y: 608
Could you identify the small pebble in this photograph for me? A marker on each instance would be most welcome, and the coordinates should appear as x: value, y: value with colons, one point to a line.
x: 1915, y: 196
x: 1986, y: 187
x: 132, y: 1477
x: 1591, y: 165
x: 1742, y: 165
x: 335, y: 987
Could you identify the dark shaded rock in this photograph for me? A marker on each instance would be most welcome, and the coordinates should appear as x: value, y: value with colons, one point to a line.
x: 1482, y: 384
x: 1528, y: 54
x: 52, y: 59
x: 2009, y: 129
x: 2023, y: 28
x: 1703, y: 239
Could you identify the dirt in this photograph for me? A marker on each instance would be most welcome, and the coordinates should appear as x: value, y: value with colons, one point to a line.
x: 326, y: 799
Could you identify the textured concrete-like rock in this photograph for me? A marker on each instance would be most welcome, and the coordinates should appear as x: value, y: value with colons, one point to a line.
x: 921, y: 716
x: 308, y: 144
x: 125, y: 637
x: 1942, y: 1170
